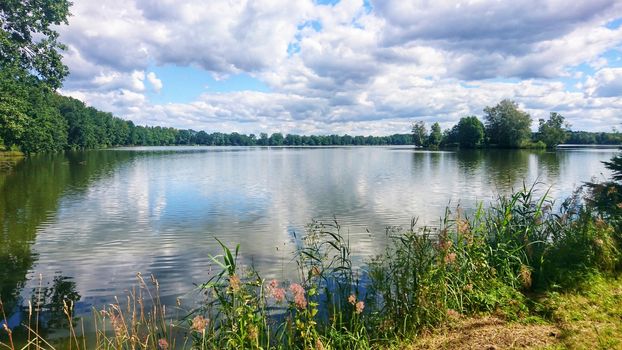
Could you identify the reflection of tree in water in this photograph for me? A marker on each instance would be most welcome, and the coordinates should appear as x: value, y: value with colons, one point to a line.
x: 426, y: 162
x: 49, y: 302
x: 506, y: 168
x: 29, y: 196
x: 549, y: 164
x: 469, y: 161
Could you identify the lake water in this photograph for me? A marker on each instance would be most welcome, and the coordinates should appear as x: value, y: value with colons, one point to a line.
x: 87, y: 222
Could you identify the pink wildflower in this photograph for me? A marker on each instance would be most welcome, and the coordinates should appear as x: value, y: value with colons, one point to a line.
x: 359, y: 307
x: 162, y: 344
x: 299, y: 295
x: 450, y: 258
x: 296, y: 288
x: 199, y: 323
x: 277, y: 293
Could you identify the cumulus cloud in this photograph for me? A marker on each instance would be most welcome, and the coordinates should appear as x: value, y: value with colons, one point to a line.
x: 347, y: 67
x: 607, y: 82
x: 156, y: 83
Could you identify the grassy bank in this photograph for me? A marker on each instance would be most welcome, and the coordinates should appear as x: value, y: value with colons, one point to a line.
x: 518, y: 264
x: 587, y: 317
x: 9, y: 158
x: 11, y: 154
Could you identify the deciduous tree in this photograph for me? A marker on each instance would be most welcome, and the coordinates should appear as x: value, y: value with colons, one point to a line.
x: 553, y: 131
x: 506, y: 125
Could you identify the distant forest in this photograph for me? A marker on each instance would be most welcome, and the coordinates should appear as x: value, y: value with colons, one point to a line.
x: 34, y: 119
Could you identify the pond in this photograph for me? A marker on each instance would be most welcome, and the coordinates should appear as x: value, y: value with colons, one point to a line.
x: 82, y: 224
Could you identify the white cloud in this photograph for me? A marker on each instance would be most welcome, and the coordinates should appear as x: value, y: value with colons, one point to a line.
x: 353, y: 70
x: 607, y: 82
x: 155, y: 82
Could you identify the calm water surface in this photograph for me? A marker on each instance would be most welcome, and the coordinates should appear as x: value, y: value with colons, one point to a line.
x: 88, y: 222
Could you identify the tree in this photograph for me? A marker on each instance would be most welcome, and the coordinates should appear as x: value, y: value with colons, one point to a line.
x: 606, y: 197
x: 420, y: 133
x: 263, y: 139
x: 506, y: 125
x: 13, y: 109
x: 27, y: 41
x: 184, y: 137
x: 28, y: 115
x: 276, y: 139
x: 470, y: 132
x: 553, y: 131
x: 436, y: 136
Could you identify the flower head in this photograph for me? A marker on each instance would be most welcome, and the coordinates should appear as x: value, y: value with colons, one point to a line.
x: 235, y: 283
x: 525, y: 276
x: 199, y: 323
x: 450, y: 258
x: 359, y: 307
x: 277, y: 293
x: 162, y: 344
x: 299, y: 295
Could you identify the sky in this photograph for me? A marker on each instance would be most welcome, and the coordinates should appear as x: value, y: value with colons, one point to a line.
x: 334, y: 67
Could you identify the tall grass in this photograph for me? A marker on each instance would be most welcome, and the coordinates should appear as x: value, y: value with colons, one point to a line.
x: 490, y: 261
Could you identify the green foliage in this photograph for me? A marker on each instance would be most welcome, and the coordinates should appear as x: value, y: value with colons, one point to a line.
x: 13, y: 116
x: 606, y: 197
x: 594, y: 138
x: 552, y: 131
x: 276, y: 139
x: 506, y: 125
x: 589, y: 317
x: 533, y: 145
x: 28, y: 41
x: 436, y: 136
x: 27, y: 116
x: 470, y: 132
x: 420, y: 134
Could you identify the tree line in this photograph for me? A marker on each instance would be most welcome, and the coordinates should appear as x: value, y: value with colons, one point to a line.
x: 506, y: 126
x: 34, y: 119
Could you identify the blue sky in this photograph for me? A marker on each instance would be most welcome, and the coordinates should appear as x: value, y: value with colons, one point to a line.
x: 357, y: 67
x: 186, y: 84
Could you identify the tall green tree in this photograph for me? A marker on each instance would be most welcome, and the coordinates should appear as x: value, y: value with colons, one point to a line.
x: 553, y: 131
x: 506, y: 125
x: 420, y: 134
x: 276, y: 139
x: 13, y: 109
x: 28, y: 41
x: 436, y: 136
x: 28, y: 117
x: 470, y: 132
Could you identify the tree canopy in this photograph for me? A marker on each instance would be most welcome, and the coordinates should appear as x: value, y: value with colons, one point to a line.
x: 470, y: 132
x: 436, y: 136
x: 553, y: 131
x: 420, y: 134
x: 506, y: 125
x: 27, y: 41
